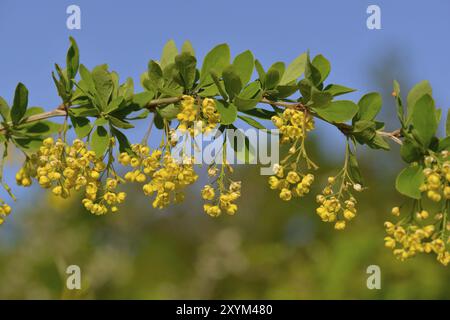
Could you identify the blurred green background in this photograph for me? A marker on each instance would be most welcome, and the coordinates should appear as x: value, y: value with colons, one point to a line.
x: 269, y: 250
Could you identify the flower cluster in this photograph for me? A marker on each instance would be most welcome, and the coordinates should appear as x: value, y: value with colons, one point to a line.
x: 290, y: 184
x: 222, y: 195
x: 64, y: 169
x: 210, y: 114
x: 437, y: 178
x: 408, y: 239
x: 194, y: 120
x: 166, y: 176
x: 337, y: 208
x: 424, y: 231
x: 5, y: 210
x: 293, y: 124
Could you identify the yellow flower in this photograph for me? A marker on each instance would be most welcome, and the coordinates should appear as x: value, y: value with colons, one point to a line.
x: 208, y: 192
x: 339, y: 225
x: 285, y: 194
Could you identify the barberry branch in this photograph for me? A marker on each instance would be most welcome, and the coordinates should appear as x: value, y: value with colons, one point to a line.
x: 62, y: 110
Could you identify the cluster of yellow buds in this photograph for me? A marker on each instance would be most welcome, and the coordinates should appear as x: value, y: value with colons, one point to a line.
x: 110, y: 197
x: 168, y: 181
x: 188, y: 113
x: 194, y: 121
x: 210, y: 114
x: 143, y: 161
x: 65, y: 168
x: 409, y: 239
x: 437, y: 178
x: 5, y: 210
x: 331, y: 209
x: 293, y: 124
x: 25, y: 174
x: 290, y: 184
x: 225, y: 201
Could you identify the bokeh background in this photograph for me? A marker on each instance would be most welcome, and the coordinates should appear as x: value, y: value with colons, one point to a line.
x: 270, y: 249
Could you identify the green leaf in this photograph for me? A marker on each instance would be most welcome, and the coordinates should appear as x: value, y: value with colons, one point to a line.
x: 83, y: 111
x: 120, y: 123
x: 169, y: 112
x: 417, y: 92
x: 378, y: 142
x: 143, y: 98
x: 444, y: 144
x: 219, y: 85
x: 185, y: 64
x: 447, y: 124
x: 158, y: 121
x: 323, y: 66
x: 294, y: 70
x: 260, y: 70
x: 103, y: 84
x: 40, y: 128
x: 114, y: 105
x: 273, y: 75
x: 217, y: 59
x: 169, y: 53
x: 87, y: 79
x: 28, y: 145
x: 143, y: 115
x: 369, y: 106
x: 424, y: 119
x: 124, y: 144
x: 72, y: 61
x: 247, y: 104
x: 243, y: 66
x: 409, y: 181
x: 81, y: 125
x: 285, y: 91
x: 228, y: 112
x: 336, y: 89
x: 364, y: 131
x: 320, y: 99
x: 99, y: 141
x: 305, y: 86
x: 20, y: 104
x: 187, y: 47
x: 100, y: 122
x: 311, y: 72
x: 4, y: 110
x: 232, y: 82
x: 155, y: 74
x: 252, y: 122
x: 410, y: 152
x: 338, y: 111
x: 126, y: 90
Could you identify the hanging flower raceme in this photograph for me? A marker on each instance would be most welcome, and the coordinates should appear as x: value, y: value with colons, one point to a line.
x: 164, y: 176
x: 291, y: 183
x: 222, y: 194
x: 65, y: 169
x: 288, y: 178
x: 425, y: 230
x: 337, y: 206
x: 293, y: 124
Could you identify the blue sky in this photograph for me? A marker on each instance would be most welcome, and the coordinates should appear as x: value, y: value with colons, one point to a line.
x: 412, y: 45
